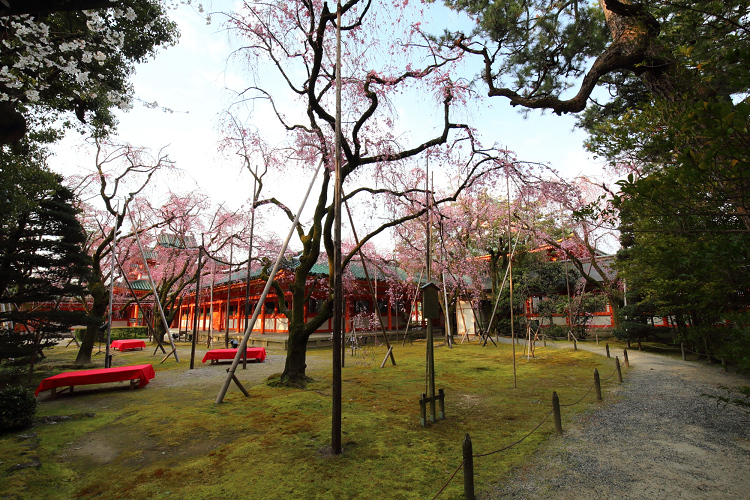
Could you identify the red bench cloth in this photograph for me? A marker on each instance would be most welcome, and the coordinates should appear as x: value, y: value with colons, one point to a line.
x: 252, y: 352
x: 99, y: 376
x: 128, y: 344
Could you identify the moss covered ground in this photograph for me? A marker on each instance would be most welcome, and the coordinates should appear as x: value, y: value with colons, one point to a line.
x: 170, y: 439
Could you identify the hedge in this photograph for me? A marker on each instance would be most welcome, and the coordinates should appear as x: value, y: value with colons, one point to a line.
x: 118, y: 333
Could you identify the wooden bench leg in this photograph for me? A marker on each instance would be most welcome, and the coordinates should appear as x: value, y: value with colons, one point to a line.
x: 53, y: 391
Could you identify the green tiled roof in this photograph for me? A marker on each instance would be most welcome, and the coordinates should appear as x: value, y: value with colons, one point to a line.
x: 167, y: 240
x: 141, y: 285
x: 355, y: 268
x: 320, y: 269
x: 238, y: 275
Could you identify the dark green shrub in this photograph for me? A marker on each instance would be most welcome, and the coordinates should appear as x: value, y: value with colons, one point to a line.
x: 17, y: 407
x: 556, y: 331
x: 503, y: 327
x: 118, y: 333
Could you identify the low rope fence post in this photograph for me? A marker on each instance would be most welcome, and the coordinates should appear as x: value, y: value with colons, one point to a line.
x: 468, y: 469
x: 625, y: 357
x: 617, y: 367
x: 467, y: 448
x: 556, y: 412
x: 607, y: 347
x: 441, y: 404
x: 682, y: 348
x: 597, y: 385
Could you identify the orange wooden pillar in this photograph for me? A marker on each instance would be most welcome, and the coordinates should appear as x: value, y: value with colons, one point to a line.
x: 237, y: 317
x: 263, y: 320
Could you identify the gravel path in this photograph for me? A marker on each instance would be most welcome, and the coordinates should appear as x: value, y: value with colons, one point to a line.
x: 659, y: 438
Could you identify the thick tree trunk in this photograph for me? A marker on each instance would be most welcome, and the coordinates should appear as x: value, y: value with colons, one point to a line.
x: 299, y: 330
x: 634, y: 34
x: 296, y: 356
x: 100, y: 302
x: 159, y: 327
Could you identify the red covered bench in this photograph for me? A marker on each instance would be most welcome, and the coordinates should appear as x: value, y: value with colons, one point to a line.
x: 137, y: 374
x: 128, y: 344
x: 215, y: 355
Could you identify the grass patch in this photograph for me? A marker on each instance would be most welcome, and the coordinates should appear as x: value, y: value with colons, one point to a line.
x: 170, y: 439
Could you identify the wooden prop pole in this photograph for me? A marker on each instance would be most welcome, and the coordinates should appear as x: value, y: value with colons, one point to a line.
x: 502, y: 285
x: 229, y: 293
x: 369, y: 285
x: 338, y: 288
x: 510, y: 288
x: 250, y: 258
x: 149, y: 323
x: 156, y: 296
x: 210, y: 336
x: 197, y: 305
x: 107, y: 358
x: 465, y: 336
x: 259, y: 306
x: 413, y: 305
x: 430, y: 348
x: 448, y: 337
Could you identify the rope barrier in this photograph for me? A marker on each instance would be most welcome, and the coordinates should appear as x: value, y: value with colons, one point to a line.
x: 610, y: 376
x: 517, y: 442
x: 449, y: 480
x: 582, y: 398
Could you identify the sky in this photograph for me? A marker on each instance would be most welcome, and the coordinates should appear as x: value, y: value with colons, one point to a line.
x: 191, y: 80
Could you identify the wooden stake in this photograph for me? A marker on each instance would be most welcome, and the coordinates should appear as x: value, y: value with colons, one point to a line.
x: 556, y: 412
x: 468, y: 469
x: 597, y: 385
